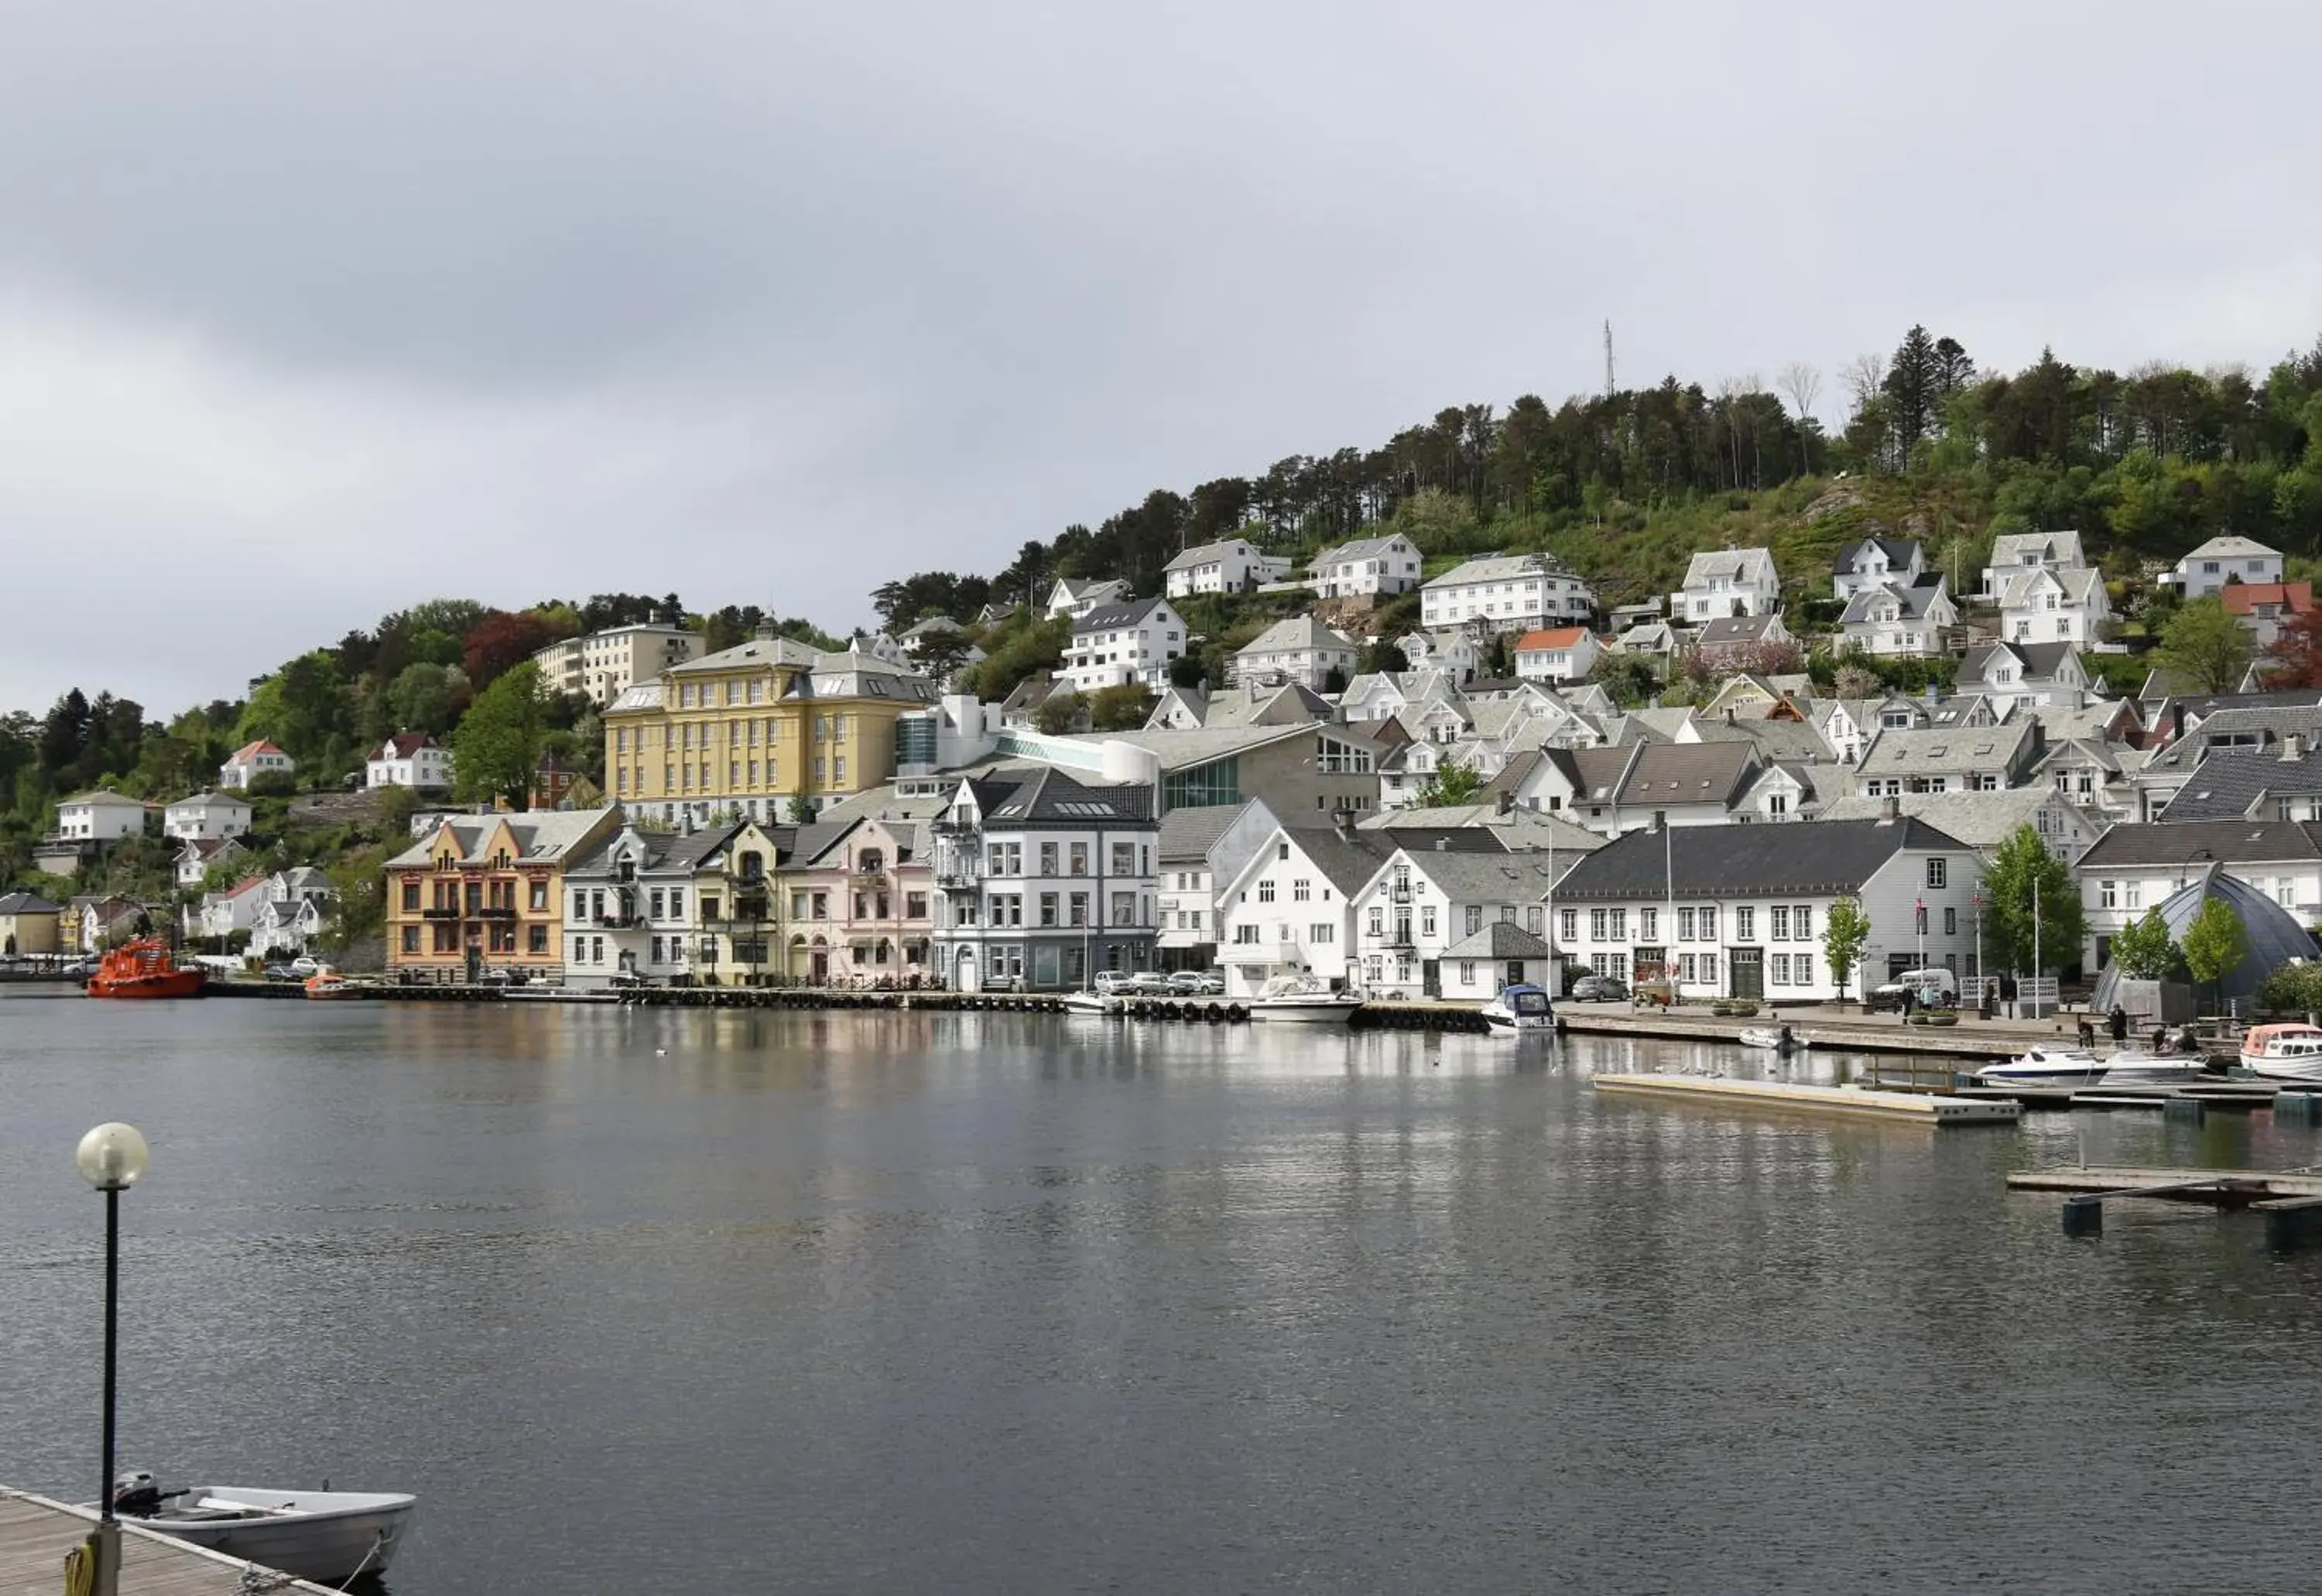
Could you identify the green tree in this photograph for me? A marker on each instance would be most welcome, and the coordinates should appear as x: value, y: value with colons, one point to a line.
x: 1450, y: 784
x: 2021, y: 872
x: 498, y: 742
x: 2145, y: 951
x: 2215, y: 942
x: 1629, y: 679
x: 2206, y: 645
x: 1845, y: 931
x: 427, y: 698
x: 1123, y: 707
x: 1059, y: 713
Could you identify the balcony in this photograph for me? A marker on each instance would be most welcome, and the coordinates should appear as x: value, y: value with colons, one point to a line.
x: 497, y: 913
x: 614, y: 919
x: 439, y: 914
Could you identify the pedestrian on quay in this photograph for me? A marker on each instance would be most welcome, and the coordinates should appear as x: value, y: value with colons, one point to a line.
x: 2088, y: 1034
x: 1909, y: 998
x: 2119, y: 1023
x: 2161, y: 1038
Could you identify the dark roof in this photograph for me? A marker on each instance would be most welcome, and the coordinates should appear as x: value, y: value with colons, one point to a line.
x: 406, y: 744
x: 1410, y: 829
x: 1105, y: 616
x: 812, y: 841
x: 1805, y: 856
x: 1666, y: 773
x: 1350, y: 858
x: 1734, y: 629
x: 663, y: 850
x: 1899, y: 551
x: 1595, y: 773
x: 2228, y: 842
x: 1911, y: 599
x: 1501, y: 939
x: 1045, y: 796
x: 1515, y: 772
x: 2226, y: 784
x: 25, y: 903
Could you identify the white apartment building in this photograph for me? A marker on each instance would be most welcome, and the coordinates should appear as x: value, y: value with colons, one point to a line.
x: 1435, y: 892
x: 2054, y: 603
x: 1727, y: 582
x: 1366, y: 568
x: 1556, y: 654
x: 1296, y: 649
x: 2208, y: 568
x: 2132, y: 867
x: 1289, y: 910
x: 207, y: 815
x: 412, y: 759
x: 100, y: 816
x: 605, y: 665
x: 1045, y: 880
x: 632, y: 910
x: 1199, y: 845
x: 1233, y: 565
x: 2014, y: 552
x: 1740, y: 912
x: 1507, y: 593
x: 1119, y: 644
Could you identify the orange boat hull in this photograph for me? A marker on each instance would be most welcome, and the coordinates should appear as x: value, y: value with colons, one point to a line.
x: 176, y: 983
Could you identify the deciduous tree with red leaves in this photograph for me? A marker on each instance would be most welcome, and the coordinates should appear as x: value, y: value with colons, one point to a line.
x: 500, y: 641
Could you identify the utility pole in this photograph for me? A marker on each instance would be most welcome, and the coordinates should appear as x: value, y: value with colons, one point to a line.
x: 1608, y: 359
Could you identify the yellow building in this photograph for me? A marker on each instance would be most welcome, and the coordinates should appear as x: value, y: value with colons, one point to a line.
x: 28, y: 925
x: 737, y: 891
x: 745, y: 731
x: 486, y: 893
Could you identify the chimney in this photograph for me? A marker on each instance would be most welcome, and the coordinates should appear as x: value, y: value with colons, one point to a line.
x: 1729, y: 715
x: 1342, y: 821
x: 1892, y: 809
x: 1443, y: 844
x: 2293, y: 749
x: 1935, y: 695
x: 1502, y: 802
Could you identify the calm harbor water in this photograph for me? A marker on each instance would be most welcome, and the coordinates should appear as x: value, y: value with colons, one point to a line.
x: 639, y: 1299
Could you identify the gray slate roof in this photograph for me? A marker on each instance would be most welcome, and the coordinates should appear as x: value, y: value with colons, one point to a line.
x: 1899, y: 551
x: 2227, y: 842
x: 1501, y: 939
x: 1666, y: 773
x: 1732, y: 629
x: 2229, y: 781
x: 1813, y: 857
x: 1188, y: 834
x: 1208, y: 554
x: 1948, y: 750
x: 1105, y: 617
x: 26, y: 903
x: 1042, y: 795
x: 1911, y: 600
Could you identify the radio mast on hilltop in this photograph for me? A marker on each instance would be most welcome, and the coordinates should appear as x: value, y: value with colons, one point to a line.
x: 1608, y: 359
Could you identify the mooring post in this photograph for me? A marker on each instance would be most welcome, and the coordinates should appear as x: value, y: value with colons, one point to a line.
x: 2084, y: 1216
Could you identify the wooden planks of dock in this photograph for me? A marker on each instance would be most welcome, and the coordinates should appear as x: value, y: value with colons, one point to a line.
x: 1844, y: 1102
x: 35, y: 1534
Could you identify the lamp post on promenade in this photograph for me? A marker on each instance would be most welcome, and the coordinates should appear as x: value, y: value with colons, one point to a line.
x: 111, y: 1157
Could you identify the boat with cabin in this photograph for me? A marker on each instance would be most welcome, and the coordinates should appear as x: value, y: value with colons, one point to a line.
x: 2045, y: 1066
x: 1518, y: 1009
x: 2291, y: 1052
x: 147, y: 967
x: 1300, y: 1000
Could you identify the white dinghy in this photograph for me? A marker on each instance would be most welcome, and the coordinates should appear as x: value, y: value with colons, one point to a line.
x: 329, y: 1537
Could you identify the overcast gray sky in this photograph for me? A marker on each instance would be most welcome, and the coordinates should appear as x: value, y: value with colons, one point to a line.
x: 309, y: 310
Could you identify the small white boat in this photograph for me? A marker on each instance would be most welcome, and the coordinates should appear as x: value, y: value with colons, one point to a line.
x: 2045, y: 1066
x: 2284, y: 1052
x: 1518, y: 1009
x: 325, y: 1536
x: 1092, y: 1003
x: 1303, y: 1000
x: 1774, y: 1039
x: 2135, y: 1067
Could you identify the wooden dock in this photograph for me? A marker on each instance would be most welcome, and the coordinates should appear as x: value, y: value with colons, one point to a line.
x: 1980, y: 1040
x: 36, y: 1533
x: 1790, y: 1097
x: 2291, y: 1201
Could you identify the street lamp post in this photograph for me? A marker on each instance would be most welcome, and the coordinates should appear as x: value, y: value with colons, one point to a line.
x: 111, y: 1158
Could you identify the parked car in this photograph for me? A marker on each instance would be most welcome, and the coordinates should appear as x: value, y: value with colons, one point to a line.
x: 1111, y: 983
x: 1151, y: 982
x: 305, y: 965
x: 282, y: 972
x: 1600, y: 989
x: 1197, y: 983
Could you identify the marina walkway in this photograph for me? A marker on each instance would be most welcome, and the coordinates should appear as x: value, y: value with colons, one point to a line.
x: 36, y: 1533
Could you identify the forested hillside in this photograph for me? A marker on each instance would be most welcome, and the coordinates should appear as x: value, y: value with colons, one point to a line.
x: 1625, y: 487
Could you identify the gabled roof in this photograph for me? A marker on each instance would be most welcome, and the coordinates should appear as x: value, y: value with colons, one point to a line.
x: 200, y: 799
x: 251, y: 750
x: 2230, y: 783
x: 404, y: 745
x: 105, y: 795
x: 542, y: 836
x: 2078, y: 583
x: 1211, y: 553
x: 759, y: 651
x: 1499, y: 568
x: 1982, y: 820
x: 2242, y: 598
x: 1104, y: 617
x: 1476, y: 876
x: 1729, y: 629
x: 659, y: 851
x: 1499, y: 939
x: 1346, y: 860
x: 1665, y: 774
x: 1944, y: 750
x: 1296, y: 633
x: 1187, y: 834
x: 1910, y: 600
x: 26, y: 903
x: 2035, y: 662
x: 2054, y: 548
x: 2227, y: 842
x: 1362, y: 548
x: 1818, y: 857
x: 1042, y: 795
x: 1899, y: 551
x: 2231, y: 547
x: 1551, y: 638
x: 1739, y: 565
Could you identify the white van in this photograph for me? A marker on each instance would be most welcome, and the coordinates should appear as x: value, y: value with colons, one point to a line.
x: 1933, y: 985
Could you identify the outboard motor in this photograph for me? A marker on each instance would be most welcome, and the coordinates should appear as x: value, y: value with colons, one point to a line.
x: 136, y: 1494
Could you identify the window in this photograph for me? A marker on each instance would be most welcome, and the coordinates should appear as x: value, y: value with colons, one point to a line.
x: 1745, y: 925
x: 2108, y: 893
x: 1266, y: 890
x: 1685, y: 924
x: 1047, y: 859
x: 1569, y: 920
x: 1047, y: 909
x: 1124, y: 859
x: 1708, y: 923
x: 1320, y: 932
x: 1300, y: 891
x: 1802, y: 919
x: 1596, y: 925
x: 657, y: 910
x: 1475, y: 919
x: 1620, y: 925
x: 1950, y: 922
x: 1778, y: 974
x: 1938, y: 872
x: 1802, y: 970
x: 1536, y: 920
x: 1923, y: 919
x: 1779, y: 930
x: 1378, y: 922
x: 1245, y: 936
x: 411, y: 939
x: 1426, y: 920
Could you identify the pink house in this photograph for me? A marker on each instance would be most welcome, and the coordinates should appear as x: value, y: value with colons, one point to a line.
x: 861, y: 902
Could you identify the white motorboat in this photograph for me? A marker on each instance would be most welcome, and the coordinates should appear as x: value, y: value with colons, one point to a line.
x: 1092, y: 1003
x: 2284, y: 1052
x: 1300, y: 1000
x: 2132, y: 1066
x: 1519, y: 1008
x: 2045, y: 1066
x: 329, y: 1537
x: 1774, y: 1039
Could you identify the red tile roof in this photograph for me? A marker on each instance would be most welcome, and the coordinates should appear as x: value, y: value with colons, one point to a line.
x: 1555, y: 638
x: 2243, y: 598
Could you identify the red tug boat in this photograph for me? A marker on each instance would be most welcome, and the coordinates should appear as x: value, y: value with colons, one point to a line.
x: 145, y: 968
